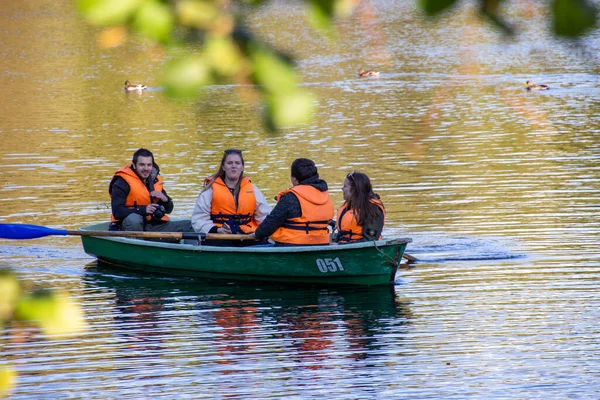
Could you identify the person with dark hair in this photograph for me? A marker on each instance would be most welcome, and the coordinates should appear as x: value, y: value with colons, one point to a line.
x: 138, y: 200
x: 229, y: 202
x: 303, y: 212
x: 362, y: 215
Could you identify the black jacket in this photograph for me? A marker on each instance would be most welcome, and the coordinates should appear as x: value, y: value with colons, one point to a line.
x: 119, y: 190
x: 287, y: 207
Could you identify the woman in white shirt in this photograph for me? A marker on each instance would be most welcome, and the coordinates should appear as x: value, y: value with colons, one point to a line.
x: 229, y: 202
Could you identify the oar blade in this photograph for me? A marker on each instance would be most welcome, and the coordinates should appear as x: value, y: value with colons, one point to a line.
x: 24, y: 231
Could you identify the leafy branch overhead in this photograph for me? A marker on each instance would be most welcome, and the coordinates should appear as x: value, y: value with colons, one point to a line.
x: 570, y: 18
x: 209, y: 43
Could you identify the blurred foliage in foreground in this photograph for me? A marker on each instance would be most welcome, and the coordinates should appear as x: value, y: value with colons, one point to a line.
x: 570, y: 18
x: 55, y: 313
x: 223, y: 50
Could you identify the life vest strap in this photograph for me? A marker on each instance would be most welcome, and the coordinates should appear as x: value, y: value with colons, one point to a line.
x: 347, y: 236
x: 306, y: 226
x: 235, y: 221
x: 227, y: 218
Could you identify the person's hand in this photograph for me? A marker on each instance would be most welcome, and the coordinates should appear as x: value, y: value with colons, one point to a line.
x: 159, y: 196
x: 150, y: 208
x: 224, y: 229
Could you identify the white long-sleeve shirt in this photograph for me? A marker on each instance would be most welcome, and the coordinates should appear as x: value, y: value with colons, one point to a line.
x: 201, y: 221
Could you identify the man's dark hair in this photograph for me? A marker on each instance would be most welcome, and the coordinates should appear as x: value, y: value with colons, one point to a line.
x: 303, y: 168
x: 142, y: 153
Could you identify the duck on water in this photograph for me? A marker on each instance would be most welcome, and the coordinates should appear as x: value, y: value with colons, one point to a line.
x: 133, y: 86
x: 532, y: 86
x: 362, y: 73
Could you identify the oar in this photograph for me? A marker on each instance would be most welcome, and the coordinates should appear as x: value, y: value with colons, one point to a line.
x: 25, y: 231
x: 409, y: 258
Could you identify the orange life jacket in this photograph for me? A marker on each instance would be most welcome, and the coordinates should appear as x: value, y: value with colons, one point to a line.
x: 311, y: 226
x: 139, y: 195
x: 223, y: 208
x: 348, y: 228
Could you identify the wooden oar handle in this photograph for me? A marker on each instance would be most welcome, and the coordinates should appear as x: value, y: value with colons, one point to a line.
x: 163, y: 235
x: 228, y: 236
x: 130, y: 234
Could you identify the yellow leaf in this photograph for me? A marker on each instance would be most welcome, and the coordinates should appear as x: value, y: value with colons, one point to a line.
x: 55, y: 312
x: 9, y: 290
x: 7, y: 379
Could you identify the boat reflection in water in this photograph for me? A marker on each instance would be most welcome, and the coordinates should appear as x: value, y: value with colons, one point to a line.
x: 228, y: 324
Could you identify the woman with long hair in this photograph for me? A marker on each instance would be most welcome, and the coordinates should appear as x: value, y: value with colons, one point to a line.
x: 229, y: 202
x: 362, y: 215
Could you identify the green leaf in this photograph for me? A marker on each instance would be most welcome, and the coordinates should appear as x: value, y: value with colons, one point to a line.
x: 155, y: 21
x: 108, y: 12
x: 321, y: 14
x: 274, y: 73
x: 321, y: 20
x: 331, y: 9
x: 288, y: 109
x: 199, y: 14
x: 184, y: 77
x: 490, y: 9
x: 571, y: 18
x: 326, y: 7
x: 435, y: 7
x: 223, y: 55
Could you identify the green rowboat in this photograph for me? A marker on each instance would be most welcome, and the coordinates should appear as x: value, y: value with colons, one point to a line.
x: 366, y: 263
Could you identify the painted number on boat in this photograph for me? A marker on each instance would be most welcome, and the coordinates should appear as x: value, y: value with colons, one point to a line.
x: 329, y: 265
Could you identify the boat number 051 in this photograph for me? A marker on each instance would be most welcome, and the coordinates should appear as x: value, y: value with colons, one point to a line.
x: 329, y: 265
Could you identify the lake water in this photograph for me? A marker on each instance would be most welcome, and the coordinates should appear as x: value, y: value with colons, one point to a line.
x: 497, y: 186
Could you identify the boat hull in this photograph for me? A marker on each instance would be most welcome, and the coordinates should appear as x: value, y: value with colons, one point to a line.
x: 368, y: 263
